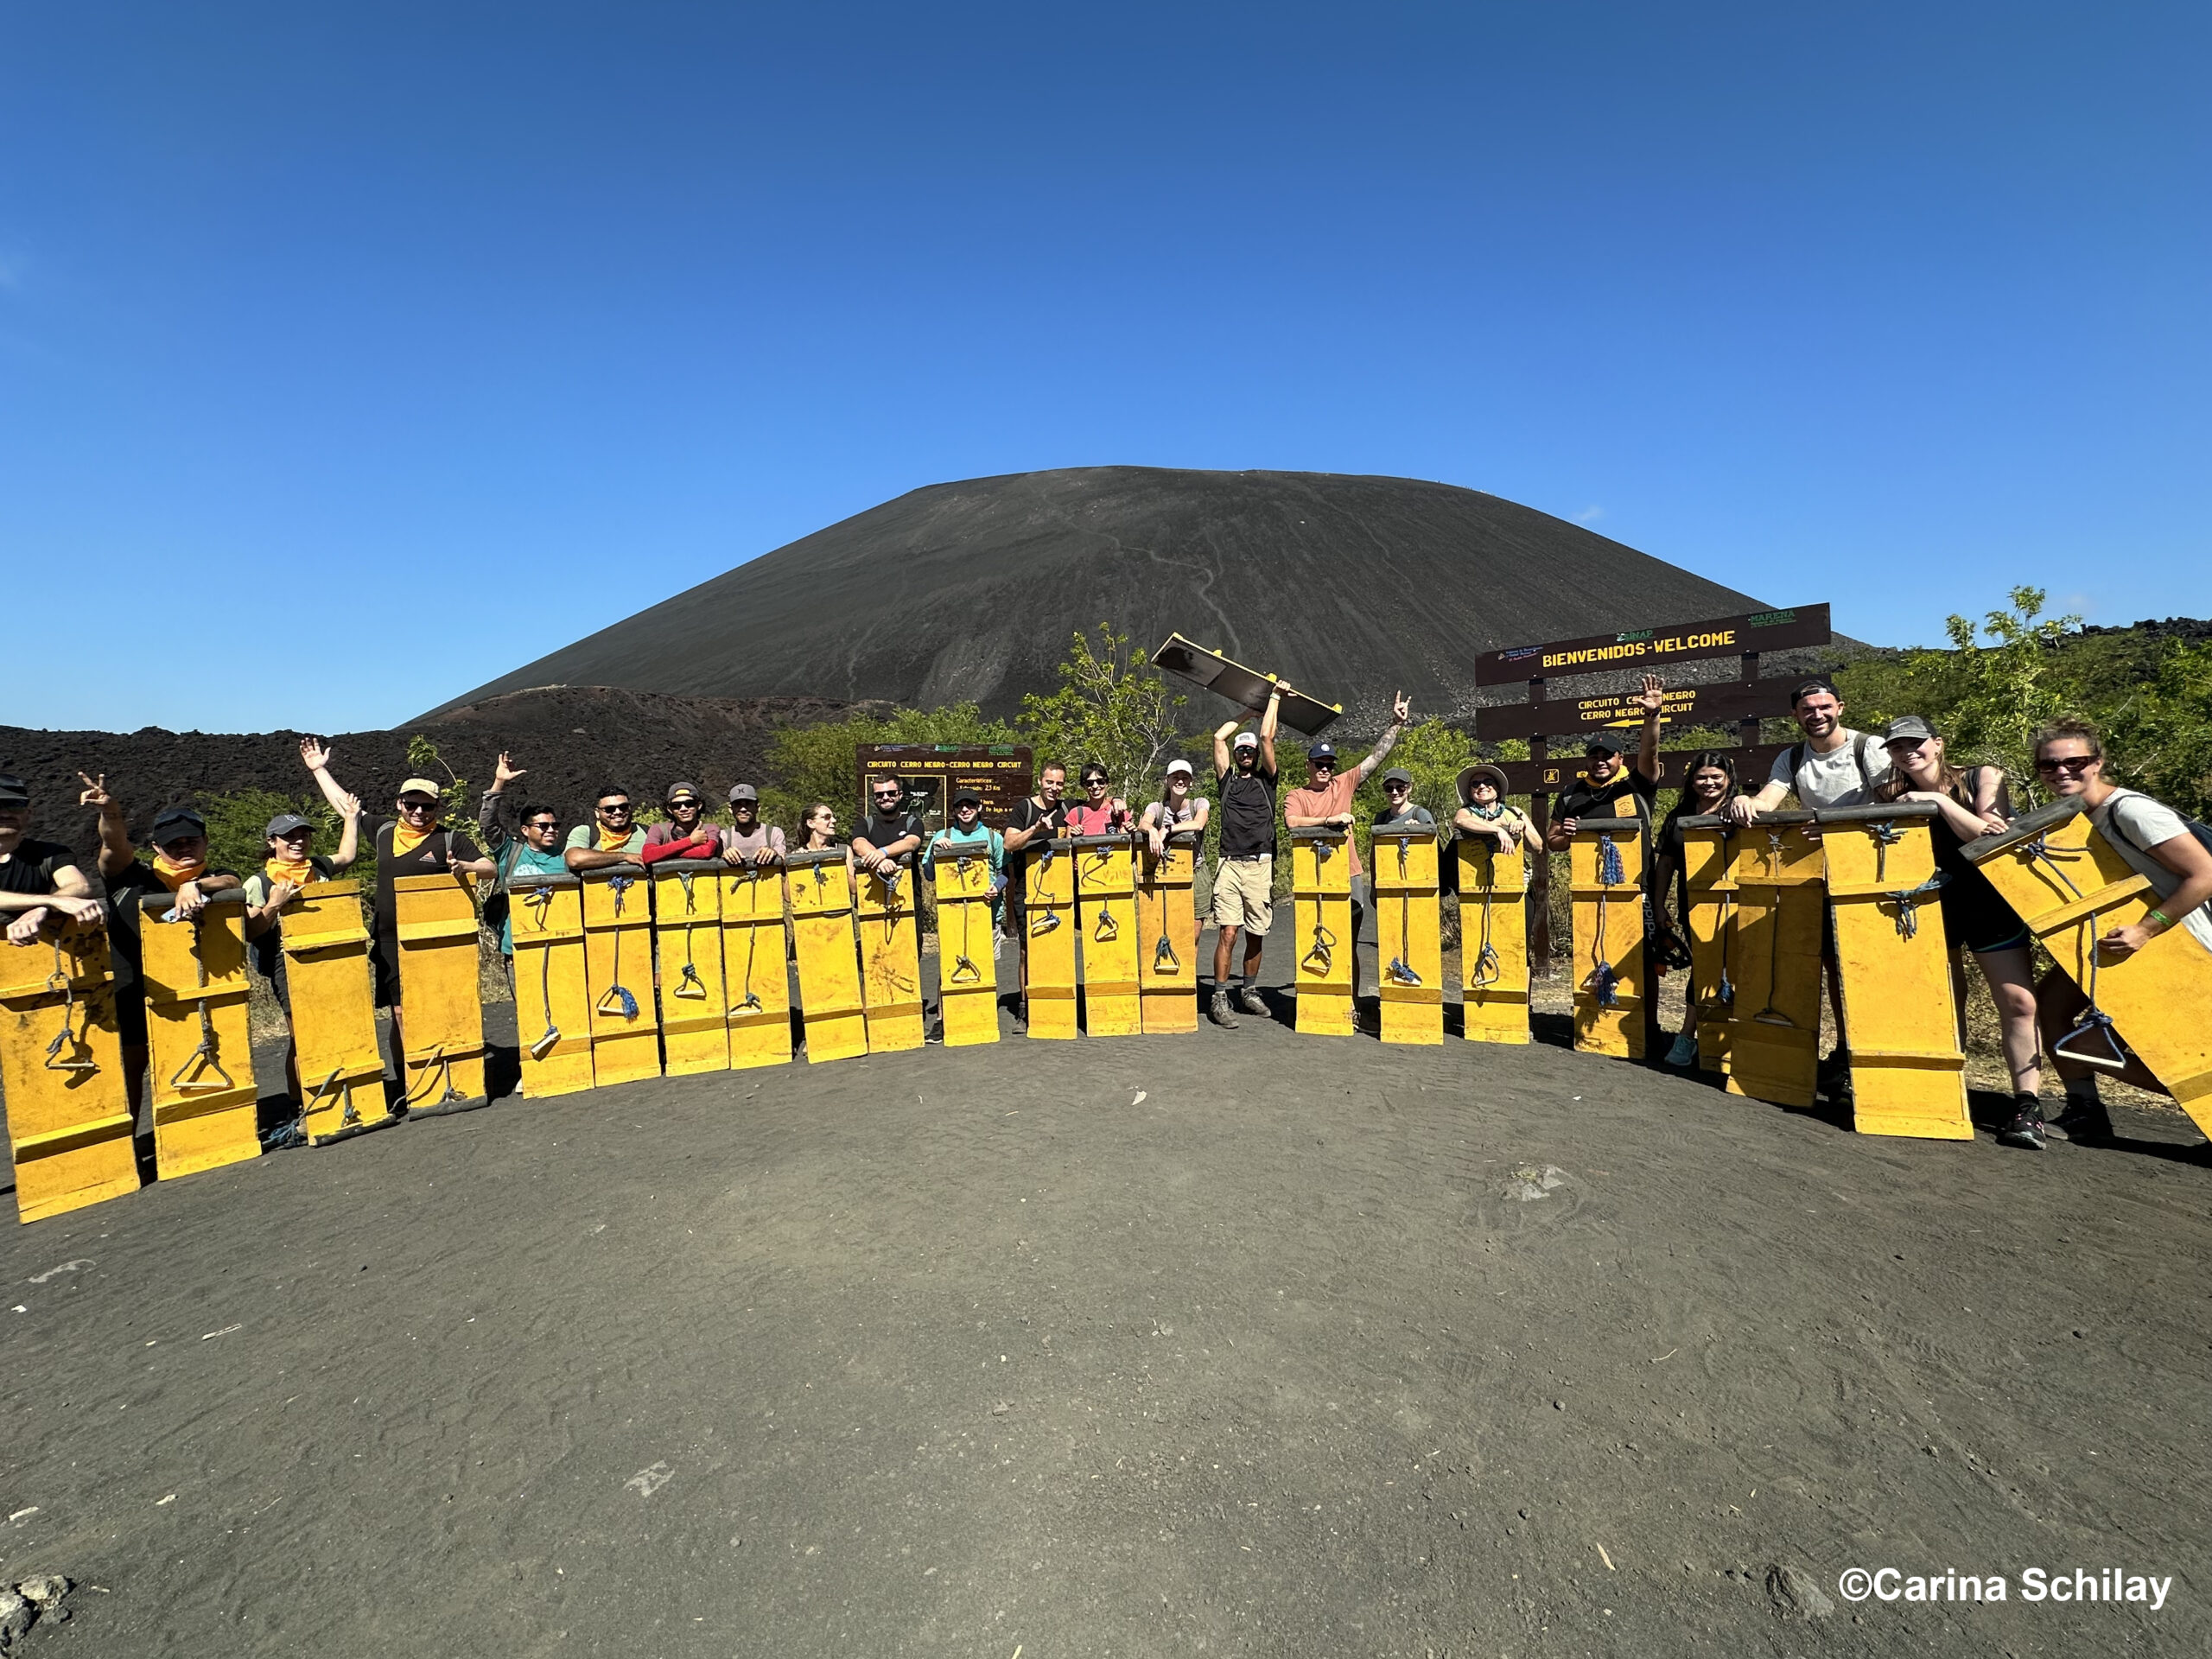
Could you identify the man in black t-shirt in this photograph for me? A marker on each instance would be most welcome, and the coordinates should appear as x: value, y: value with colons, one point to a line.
x: 889, y: 831
x: 39, y: 882
x: 1612, y: 789
x: 1035, y: 822
x: 1243, y: 882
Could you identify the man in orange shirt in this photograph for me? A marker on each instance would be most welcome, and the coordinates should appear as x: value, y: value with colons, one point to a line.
x: 1326, y: 800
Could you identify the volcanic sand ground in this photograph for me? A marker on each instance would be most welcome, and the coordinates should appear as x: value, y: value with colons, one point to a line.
x: 1226, y: 1343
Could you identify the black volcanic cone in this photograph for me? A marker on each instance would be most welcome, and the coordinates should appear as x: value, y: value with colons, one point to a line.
x: 1348, y: 586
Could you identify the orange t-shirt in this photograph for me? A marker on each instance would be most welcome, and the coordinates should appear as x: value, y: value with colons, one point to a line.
x: 1326, y: 804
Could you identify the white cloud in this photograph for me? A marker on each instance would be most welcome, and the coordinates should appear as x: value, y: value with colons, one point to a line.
x: 1590, y: 515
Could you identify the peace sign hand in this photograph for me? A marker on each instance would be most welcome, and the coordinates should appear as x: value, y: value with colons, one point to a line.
x: 95, y: 791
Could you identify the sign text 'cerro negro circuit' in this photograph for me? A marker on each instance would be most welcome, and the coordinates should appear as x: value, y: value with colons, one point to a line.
x: 1000, y: 774
x: 1753, y: 762
x: 1681, y: 642
x: 1685, y: 705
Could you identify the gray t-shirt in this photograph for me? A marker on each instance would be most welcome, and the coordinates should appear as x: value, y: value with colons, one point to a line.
x: 1833, y: 778
x: 2133, y: 823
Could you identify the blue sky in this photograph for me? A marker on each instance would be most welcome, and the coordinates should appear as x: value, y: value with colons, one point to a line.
x: 351, y: 356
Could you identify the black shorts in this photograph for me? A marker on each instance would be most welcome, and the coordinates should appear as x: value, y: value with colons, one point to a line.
x: 1976, y: 916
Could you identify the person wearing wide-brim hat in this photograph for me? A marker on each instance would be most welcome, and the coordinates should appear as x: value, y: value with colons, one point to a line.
x: 1483, y: 811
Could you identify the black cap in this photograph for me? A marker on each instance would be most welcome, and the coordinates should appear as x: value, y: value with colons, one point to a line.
x: 1324, y: 750
x: 1805, y: 688
x: 743, y: 792
x: 284, y: 823
x: 12, y: 792
x: 1910, y: 725
x: 1398, y: 775
x: 960, y: 795
x: 1609, y: 741
x: 176, y: 823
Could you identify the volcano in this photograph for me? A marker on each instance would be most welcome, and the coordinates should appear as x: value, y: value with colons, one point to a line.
x: 1351, y: 586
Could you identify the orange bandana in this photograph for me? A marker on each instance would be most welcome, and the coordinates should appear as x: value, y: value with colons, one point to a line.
x: 298, y: 875
x: 613, y: 841
x: 174, y: 875
x: 405, y: 840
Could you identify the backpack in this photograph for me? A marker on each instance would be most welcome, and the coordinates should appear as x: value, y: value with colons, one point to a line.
x: 2202, y: 831
x: 1859, y: 747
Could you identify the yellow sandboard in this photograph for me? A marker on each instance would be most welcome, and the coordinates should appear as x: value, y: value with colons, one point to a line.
x: 1409, y: 917
x: 441, y: 996
x: 1710, y: 923
x: 69, y: 1124
x: 891, y: 958
x: 1106, y: 929
x: 2067, y: 884
x: 1611, y: 977
x: 966, y: 977
x: 688, y: 942
x: 618, y: 975
x: 829, y: 966
x: 1168, y: 936
x: 1493, y: 941
x: 552, y: 1002
x: 756, y: 979
x: 1900, y: 1013
x: 200, y: 1050
x: 1051, y: 941
x: 1775, y: 965
x: 326, y: 978
x: 1320, y: 886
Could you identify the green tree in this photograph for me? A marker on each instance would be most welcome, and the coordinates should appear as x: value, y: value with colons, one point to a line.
x: 424, y: 762
x: 1106, y: 710
x: 2158, y: 731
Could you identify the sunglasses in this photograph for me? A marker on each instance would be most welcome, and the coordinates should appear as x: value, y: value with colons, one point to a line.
x: 621, y: 811
x: 887, y: 794
x: 2068, y: 763
x: 1396, y: 789
x: 1094, y: 782
x: 543, y: 823
x: 418, y: 806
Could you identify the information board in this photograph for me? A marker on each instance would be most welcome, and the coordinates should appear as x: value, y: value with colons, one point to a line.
x: 1002, y: 774
x: 1685, y: 705
x: 1673, y: 642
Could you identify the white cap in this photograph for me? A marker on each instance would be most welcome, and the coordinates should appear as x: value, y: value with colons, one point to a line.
x: 1178, y: 764
x: 1246, y: 739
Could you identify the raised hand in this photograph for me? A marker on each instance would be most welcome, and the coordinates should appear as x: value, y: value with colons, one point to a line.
x: 315, y: 754
x: 352, y: 809
x: 1401, y: 706
x: 1653, y: 698
x: 95, y: 791
x: 504, y: 773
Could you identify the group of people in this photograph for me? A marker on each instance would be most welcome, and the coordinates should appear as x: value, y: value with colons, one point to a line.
x: 42, y: 887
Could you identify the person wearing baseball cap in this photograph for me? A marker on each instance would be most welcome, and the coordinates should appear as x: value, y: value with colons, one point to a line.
x: 410, y: 843
x: 179, y: 869
x: 1608, y: 787
x: 40, y: 882
x: 1399, y: 808
x: 967, y: 835
x: 516, y: 858
x: 1176, y: 809
x: 686, y: 832
x: 749, y: 841
x: 1326, y: 802
x: 1244, y: 884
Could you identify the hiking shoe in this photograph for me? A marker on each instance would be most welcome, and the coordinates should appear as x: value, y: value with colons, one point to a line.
x: 1021, y: 1012
x: 1684, y: 1052
x: 1219, y: 1011
x: 2087, y: 1121
x: 2024, y: 1130
x: 1250, y: 999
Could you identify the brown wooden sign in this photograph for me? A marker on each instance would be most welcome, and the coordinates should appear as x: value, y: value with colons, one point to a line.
x: 1000, y: 774
x: 1675, y: 642
x: 1549, y: 777
x: 1686, y: 705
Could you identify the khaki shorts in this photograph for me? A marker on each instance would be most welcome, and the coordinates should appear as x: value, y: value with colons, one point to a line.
x: 1243, y: 893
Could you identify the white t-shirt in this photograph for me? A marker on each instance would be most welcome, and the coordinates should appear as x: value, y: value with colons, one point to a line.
x: 1832, y: 779
x: 2133, y: 823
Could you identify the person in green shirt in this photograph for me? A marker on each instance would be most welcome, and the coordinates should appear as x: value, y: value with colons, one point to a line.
x: 613, y: 836
x: 536, y: 851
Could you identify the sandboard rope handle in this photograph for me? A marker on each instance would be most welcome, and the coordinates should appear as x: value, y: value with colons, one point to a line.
x: 551, y: 1034
x: 1108, y: 929
x: 207, y: 1050
x: 1323, y: 951
x: 617, y: 995
x: 1164, y: 959
x: 541, y: 901
x: 1909, y: 900
x: 59, y: 980
x: 436, y: 1065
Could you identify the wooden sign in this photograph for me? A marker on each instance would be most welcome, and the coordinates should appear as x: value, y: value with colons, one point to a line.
x: 1531, y: 777
x: 1675, y: 642
x: 1685, y: 705
x: 1002, y: 774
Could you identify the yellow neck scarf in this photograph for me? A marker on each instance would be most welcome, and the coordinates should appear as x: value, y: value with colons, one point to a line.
x: 405, y: 840
x: 174, y: 875
x: 613, y: 841
x: 298, y: 875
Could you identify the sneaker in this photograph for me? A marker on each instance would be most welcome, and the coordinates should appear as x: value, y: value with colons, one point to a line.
x: 2024, y: 1130
x: 1250, y: 999
x: 2086, y: 1120
x: 1684, y: 1052
x: 1219, y: 1011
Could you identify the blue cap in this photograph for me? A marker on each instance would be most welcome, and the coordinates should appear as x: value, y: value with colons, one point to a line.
x: 1324, y: 750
